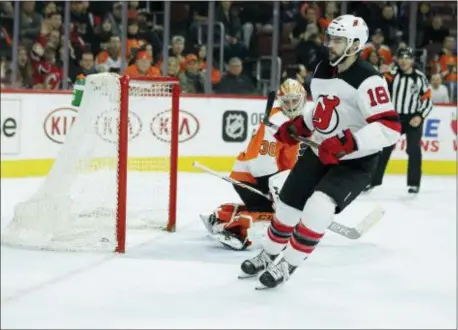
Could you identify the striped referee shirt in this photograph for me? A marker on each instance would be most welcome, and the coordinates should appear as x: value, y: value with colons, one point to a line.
x: 410, y: 92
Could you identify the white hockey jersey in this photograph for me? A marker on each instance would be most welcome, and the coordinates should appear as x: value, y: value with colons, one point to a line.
x: 356, y: 99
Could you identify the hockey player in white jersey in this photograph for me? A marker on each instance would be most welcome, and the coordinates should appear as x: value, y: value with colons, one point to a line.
x: 353, y: 120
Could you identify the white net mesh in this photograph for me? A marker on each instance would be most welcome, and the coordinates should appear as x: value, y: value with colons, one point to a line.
x: 76, y: 206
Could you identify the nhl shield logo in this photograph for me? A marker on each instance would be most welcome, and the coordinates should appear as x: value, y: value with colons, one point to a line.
x: 235, y: 126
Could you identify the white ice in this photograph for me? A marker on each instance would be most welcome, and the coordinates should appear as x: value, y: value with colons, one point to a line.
x: 401, y: 274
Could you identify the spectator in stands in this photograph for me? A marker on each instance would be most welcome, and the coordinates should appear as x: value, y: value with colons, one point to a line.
x: 424, y: 14
x: 149, y: 49
x: 50, y: 29
x: 376, y: 45
x: 30, y: 22
x: 201, y: 52
x: 305, y: 24
x: 110, y: 59
x: 103, y: 33
x: 192, y: 80
x: 52, y: 22
x: 134, y: 41
x: 233, y: 81
x: 83, y: 21
x: 439, y: 93
x: 148, y: 31
x: 233, y: 45
x: 5, y: 73
x: 50, y: 7
x: 24, y: 70
x: 295, y: 71
x: 374, y: 59
x: 448, y: 60
x: 115, y: 18
x: 49, y: 74
x: 448, y: 66
x: 177, y: 48
x: 390, y: 25
x: 87, y: 64
x: 142, y: 66
x: 331, y: 11
x: 310, y: 50
x: 435, y: 33
x: 173, y: 67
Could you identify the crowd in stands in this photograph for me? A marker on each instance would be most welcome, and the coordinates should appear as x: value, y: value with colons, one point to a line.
x: 96, y: 29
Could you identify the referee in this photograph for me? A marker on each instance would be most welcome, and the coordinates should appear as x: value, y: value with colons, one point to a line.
x: 411, y: 96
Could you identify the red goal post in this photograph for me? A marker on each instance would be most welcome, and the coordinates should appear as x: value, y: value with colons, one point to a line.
x: 123, y: 154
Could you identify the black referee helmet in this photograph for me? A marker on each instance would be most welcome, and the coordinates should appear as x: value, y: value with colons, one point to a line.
x: 404, y: 52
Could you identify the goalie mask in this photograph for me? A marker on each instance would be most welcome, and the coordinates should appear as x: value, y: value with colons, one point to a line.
x: 347, y: 28
x: 292, y: 96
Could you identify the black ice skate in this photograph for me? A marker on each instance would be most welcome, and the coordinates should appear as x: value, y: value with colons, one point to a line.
x: 414, y: 190
x: 256, y: 265
x: 276, y: 275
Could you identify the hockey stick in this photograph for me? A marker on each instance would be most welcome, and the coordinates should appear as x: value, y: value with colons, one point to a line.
x: 349, y: 232
x: 230, y: 180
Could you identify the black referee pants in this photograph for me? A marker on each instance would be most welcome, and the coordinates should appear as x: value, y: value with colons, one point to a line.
x: 413, y: 140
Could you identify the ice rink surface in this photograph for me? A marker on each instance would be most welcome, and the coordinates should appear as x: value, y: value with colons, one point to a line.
x: 401, y: 274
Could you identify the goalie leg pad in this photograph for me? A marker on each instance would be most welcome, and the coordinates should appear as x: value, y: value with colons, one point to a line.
x: 225, y: 213
x: 236, y: 234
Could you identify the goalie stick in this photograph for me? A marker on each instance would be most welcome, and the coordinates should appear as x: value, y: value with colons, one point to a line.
x: 349, y: 232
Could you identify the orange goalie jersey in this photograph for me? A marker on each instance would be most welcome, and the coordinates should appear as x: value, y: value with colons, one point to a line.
x: 264, y: 154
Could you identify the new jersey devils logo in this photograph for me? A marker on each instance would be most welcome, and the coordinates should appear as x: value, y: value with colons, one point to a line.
x: 325, y: 116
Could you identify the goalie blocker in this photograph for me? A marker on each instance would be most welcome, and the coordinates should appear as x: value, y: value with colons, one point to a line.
x: 264, y: 165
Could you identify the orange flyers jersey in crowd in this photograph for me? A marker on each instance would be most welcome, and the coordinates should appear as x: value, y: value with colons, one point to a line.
x: 133, y: 72
x: 264, y: 154
x: 383, y: 51
x: 448, y: 63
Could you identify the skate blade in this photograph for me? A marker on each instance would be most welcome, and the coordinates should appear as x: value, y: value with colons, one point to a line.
x: 245, y: 276
x: 262, y: 287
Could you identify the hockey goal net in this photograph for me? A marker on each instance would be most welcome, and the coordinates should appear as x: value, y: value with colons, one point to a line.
x: 116, y: 171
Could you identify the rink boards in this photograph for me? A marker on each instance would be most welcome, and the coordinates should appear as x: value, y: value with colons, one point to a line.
x: 212, y: 130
